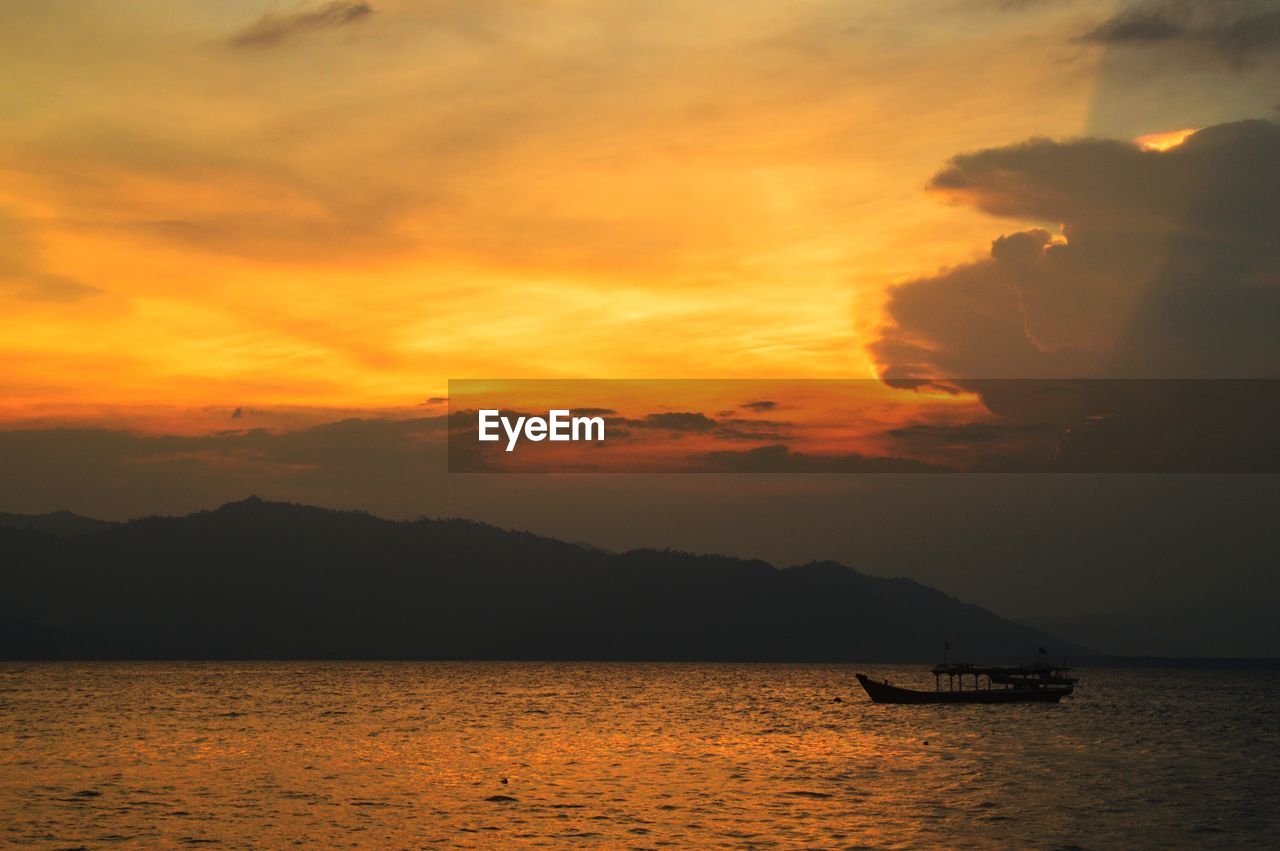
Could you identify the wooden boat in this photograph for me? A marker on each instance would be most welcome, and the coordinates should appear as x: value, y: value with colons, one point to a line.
x: 1031, y: 684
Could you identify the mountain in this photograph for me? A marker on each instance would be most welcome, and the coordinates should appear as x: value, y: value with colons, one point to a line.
x: 263, y: 580
x: 56, y: 523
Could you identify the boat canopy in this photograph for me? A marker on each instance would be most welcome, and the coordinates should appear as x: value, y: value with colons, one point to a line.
x: 965, y: 669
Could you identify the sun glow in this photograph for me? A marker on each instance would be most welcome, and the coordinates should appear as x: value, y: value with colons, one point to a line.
x: 1164, y: 141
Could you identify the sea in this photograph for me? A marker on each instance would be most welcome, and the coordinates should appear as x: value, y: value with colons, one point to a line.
x: 626, y: 755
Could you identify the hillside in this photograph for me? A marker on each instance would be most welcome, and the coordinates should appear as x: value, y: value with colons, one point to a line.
x: 256, y: 579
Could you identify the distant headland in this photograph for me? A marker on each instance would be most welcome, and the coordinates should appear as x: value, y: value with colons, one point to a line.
x: 267, y: 580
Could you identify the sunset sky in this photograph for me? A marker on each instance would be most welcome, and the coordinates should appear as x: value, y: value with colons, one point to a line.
x: 280, y: 206
x: 244, y: 247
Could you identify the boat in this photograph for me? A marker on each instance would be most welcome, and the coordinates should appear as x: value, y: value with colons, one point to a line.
x: 1039, y: 683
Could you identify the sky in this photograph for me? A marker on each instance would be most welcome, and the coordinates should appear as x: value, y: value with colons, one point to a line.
x: 240, y: 242
x: 346, y: 204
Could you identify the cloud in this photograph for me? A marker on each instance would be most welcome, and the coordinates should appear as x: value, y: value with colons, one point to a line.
x: 739, y: 429
x: 272, y: 29
x: 45, y: 287
x: 1166, y: 265
x: 678, y: 421
x: 963, y: 433
x: 23, y: 272
x: 727, y: 428
x: 1023, y: 443
x: 664, y: 441
x: 1236, y: 31
x: 760, y: 405
x: 778, y: 458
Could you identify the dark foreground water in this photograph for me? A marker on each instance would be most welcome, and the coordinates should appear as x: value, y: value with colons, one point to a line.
x: 623, y: 755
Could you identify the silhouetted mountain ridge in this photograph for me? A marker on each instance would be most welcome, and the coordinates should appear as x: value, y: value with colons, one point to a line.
x: 257, y: 579
x: 55, y: 522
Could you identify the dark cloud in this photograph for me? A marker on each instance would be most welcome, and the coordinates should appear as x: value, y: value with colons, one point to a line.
x: 1236, y: 31
x: 272, y: 29
x: 778, y: 458
x: 733, y: 428
x: 725, y: 428
x: 263, y: 416
x: 1035, y: 426
x: 678, y: 421
x: 661, y: 432
x: 760, y: 405
x: 1167, y: 265
x: 464, y: 420
x: 993, y: 447
x: 1166, y: 268
x: 1151, y: 23
x: 964, y: 433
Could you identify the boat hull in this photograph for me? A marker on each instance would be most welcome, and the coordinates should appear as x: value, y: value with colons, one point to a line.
x: 885, y: 693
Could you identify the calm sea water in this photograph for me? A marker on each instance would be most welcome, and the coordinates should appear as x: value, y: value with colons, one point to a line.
x: 623, y: 755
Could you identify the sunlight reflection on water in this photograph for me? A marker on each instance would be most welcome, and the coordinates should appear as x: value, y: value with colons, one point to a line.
x: 639, y: 755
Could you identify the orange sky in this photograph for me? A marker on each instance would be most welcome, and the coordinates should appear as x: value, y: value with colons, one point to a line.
x: 826, y: 418
x: 203, y: 208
